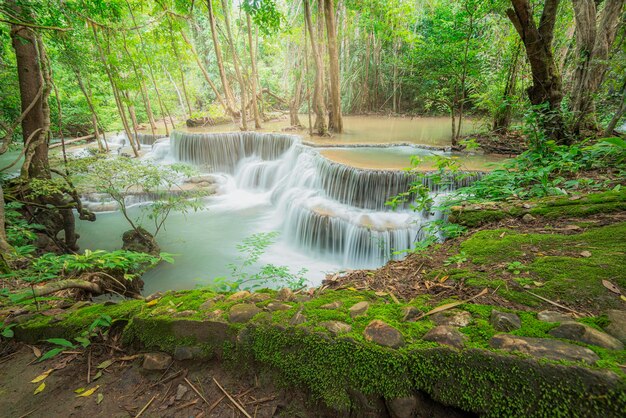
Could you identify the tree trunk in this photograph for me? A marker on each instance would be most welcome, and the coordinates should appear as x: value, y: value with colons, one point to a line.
x: 253, y: 77
x: 610, y: 128
x: 318, y: 90
x: 236, y: 62
x: 228, y: 93
x: 502, y: 119
x: 5, y: 248
x: 594, y: 38
x: 546, y: 92
x: 336, y: 121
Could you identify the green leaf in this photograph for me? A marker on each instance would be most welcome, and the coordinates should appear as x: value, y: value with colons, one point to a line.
x: 61, y: 341
x: 50, y: 354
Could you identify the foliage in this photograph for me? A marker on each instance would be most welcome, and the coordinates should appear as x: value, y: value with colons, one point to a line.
x: 20, y: 233
x: 98, y: 328
x: 268, y: 275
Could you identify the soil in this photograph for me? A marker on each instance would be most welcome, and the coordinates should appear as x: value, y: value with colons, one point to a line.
x: 127, y: 389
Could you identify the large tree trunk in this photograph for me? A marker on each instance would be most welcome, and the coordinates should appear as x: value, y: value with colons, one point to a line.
x: 546, y: 92
x: 254, y: 75
x: 336, y: 121
x: 502, y: 119
x: 318, y: 91
x: 594, y: 37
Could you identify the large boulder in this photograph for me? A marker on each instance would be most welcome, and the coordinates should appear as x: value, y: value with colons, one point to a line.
x: 505, y: 321
x: 617, y: 324
x: 140, y: 241
x: 383, y: 334
x: 243, y: 312
x: 583, y: 333
x: 446, y: 335
x: 543, y: 348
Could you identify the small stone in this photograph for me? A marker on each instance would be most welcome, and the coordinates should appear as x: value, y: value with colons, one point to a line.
x: 297, y: 319
x: 543, y: 348
x: 583, y: 333
x: 156, y: 361
x: 553, y: 316
x: 243, y: 312
x: 215, y: 314
x: 333, y: 305
x: 402, y: 407
x: 572, y: 227
x: 241, y: 295
x: 585, y: 254
x: 181, y: 390
x: 258, y: 297
x: 336, y: 327
x: 527, y: 206
x: 383, y: 334
x: 453, y: 317
x: 183, y: 353
x: 277, y: 306
x: 303, y: 298
x: 184, y: 314
x: 359, y: 309
x: 209, y: 304
x: 285, y: 295
x: 617, y: 327
x: 410, y: 313
x: 446, y: 335
x: 528, y: 218
x: 505, y: 321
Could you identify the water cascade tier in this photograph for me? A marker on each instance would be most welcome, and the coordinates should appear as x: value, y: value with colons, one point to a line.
x: 327, y: 209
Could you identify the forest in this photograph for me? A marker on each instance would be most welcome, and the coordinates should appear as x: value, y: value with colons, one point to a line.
x: 311, y: 208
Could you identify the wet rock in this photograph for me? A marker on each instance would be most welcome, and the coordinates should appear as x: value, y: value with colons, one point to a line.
x: 402, y: 407
x: 297, y: 319
x: 617, y: 326
x: 359, y: 309
x: 583, y: 333
x: 156, y: 361
x: 243, y: 312
x: 184, y: 314
x: 554, y: 316
x: 528, y: 218
x: 285, y: 295
x: 453, y: 317
x: 505, y: 321
x: 181, y: 391
x: 543, y: 348
x: 333, y: 305
x: 140, y: 241
x: 208, y: 305
x: 446, y: 335
x: 411, y: 313
x: 383, y: 334
x: 336, y: 327
x: 259, y: 297
x: 277, y: 306
x: 241, y: 295
x: 183, y: 353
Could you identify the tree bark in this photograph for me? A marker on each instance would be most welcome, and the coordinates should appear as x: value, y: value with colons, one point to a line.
x: 546, y: 91
x: 318, y: 91
x: 594, y: 38
x: 610, y: 128
x: 502, y: 119
x: 336, y: 121
x: 254, y: 75
x: 228, y: 93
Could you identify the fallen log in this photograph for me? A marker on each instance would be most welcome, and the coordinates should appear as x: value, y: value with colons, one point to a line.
x: 71, y: 141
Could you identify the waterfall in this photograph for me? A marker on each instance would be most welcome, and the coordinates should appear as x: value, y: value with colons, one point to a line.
x: 148, y: 139
x: 326, y: 208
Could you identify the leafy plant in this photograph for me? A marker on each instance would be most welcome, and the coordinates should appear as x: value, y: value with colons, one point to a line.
x: 98, y: 328
x: 6, y: 331
x: 515, y: 267
x: 457, y: 259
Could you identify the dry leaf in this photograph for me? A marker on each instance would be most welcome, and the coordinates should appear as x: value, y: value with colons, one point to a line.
x: 380, y: 294
x: 36, y: 351
x: 88, y: 392
x: 585, y: 254
x: 538, y: 284
x: 97, y: 376
x: 443, y: 279
x: 40, y: 388
x: 152, y: 302
x: 394, y: 298
x: 611, y: 287
x: 99, y: 399
x: 42, y: 376
x: 105, y: 364
x: 502, y: 234
x: 453, y: 304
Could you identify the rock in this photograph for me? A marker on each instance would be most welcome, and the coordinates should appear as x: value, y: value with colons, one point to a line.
x: 585, y: 254
x: 359, y: 309
x: 156, y: 361
x: 583, y: 333
x: 617, y: 327
x: 208, y: 305
x: 402, y: 407
x: 277, y: 306
x: 543, y: 348
x: 241, y: 295
x: 333, y: 305
x: 336, y: 327
x: 184, y: 314
x: 553, y: 316
x: 382, y: 334
x: 453, y: 317
x: 446, y: 335
x: 182, y: 353
x: 258, y: 297
x: 154, y: 296
x: 303, y: 298
x: 181, y: 390
x: 410, y: 313
x: 505, y: 321
x: 140, y: 241
x: 216, y: 314
x: 297, y: 319
x: 528, y: 218
x: 285, y: 295
x: 243, y: 312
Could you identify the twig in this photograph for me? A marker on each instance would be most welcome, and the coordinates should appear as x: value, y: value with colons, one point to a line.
x: 214, y: 405
x: 196, y: 390
x: 145, y: 407
x: 89, y: 367
x: 553, y: 303
x: 243, y: 411
x: 186, y: 405
x: 28, y: 413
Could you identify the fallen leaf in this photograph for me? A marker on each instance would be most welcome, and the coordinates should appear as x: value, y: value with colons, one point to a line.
x: 380, y: 294
x: 88, y: 392
x: 129, y: 358
x: 611, y: 287
x: 42, y: 376
x: 152, y: 302
x: 623, y: 298
x: 453, y: 304
x: 36, y: 351
x: 502, y: 234
x: 443, y: 279
x: 585, y: 254
x: 538, y: 284
x: 99, y: 398
x: 79, y: 390
x: 97, y: 376
x: 105, y: 364
x: 394, y: 298
x: 352, y: 289
x: 40, y: 388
